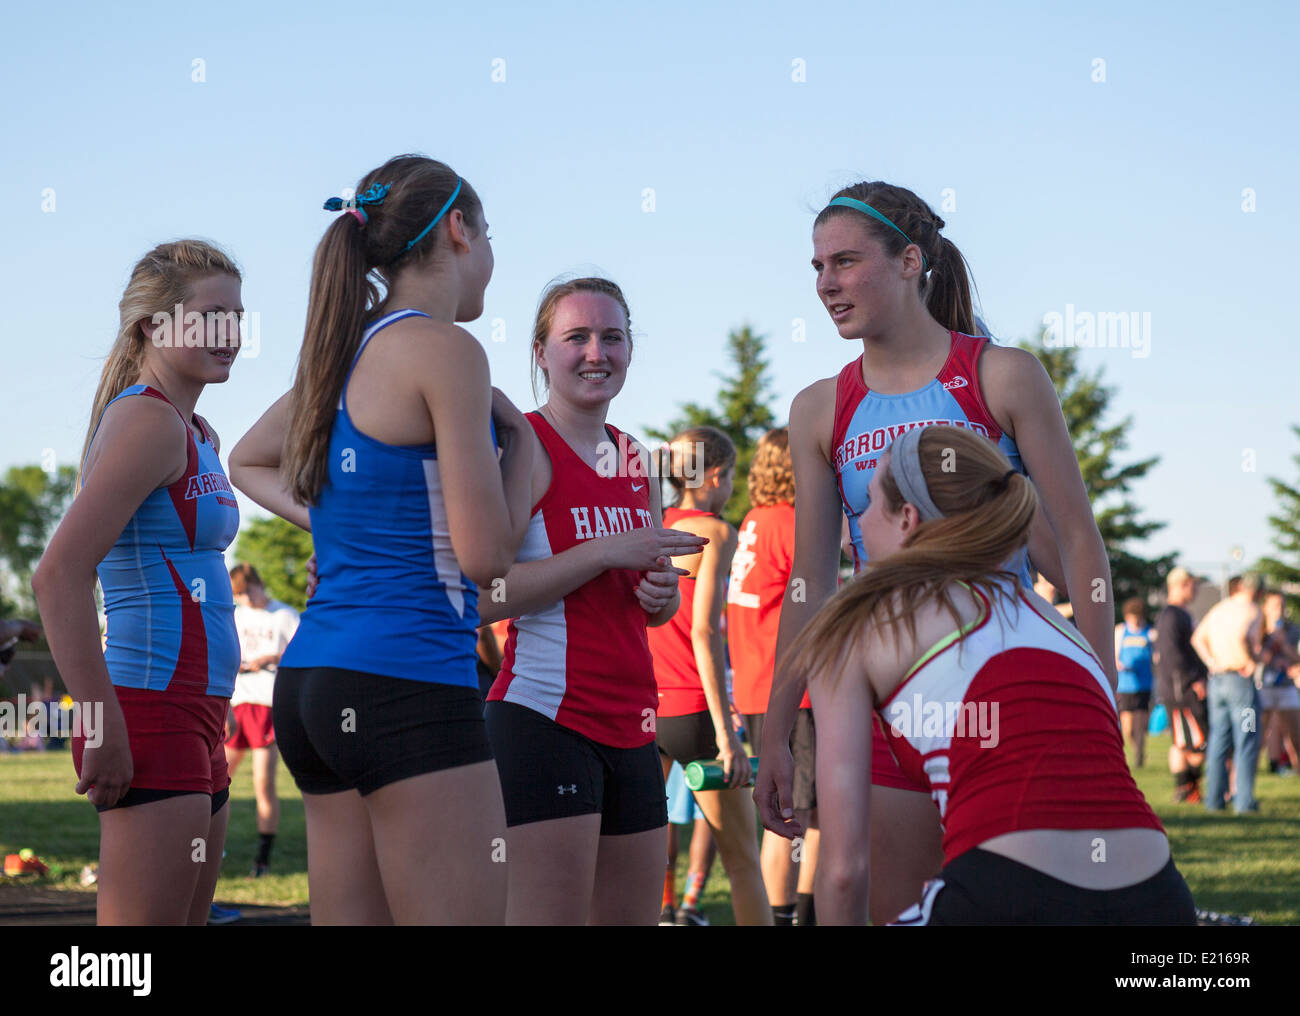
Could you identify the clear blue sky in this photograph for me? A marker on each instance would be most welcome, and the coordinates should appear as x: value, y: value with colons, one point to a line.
x: 1119, y: 195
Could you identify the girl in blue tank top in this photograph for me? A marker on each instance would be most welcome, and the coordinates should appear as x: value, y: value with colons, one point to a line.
x: 153, y: 516
x: 381, y: 536
x: 385, y: 450
x: 1133, y: 657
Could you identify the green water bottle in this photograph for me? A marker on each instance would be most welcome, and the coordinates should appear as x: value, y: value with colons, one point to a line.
x: 708, y: 775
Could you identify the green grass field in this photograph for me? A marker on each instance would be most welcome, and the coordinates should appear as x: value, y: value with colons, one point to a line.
x: 1236, y: 864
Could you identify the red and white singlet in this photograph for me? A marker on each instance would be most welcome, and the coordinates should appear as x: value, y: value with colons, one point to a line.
x: 584, y: 661
x: 760, y: 572
x: 1011, y: 724
x: 681, y: 692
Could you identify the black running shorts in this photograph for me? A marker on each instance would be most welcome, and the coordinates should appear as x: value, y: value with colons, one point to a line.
x: 348, y: 730
x: 549, y: 771
x: 1133, y: 701
x: 686, y: 739
x: 984, y: 888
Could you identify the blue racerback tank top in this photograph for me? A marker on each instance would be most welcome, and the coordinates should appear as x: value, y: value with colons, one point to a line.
x: 391, y: 598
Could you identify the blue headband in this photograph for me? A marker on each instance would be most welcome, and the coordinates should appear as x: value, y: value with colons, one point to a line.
x: 440, y: 214
x: 862, y: 206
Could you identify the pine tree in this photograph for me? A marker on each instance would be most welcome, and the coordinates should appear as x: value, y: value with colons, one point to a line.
x: 1084, y: 402
x: 279, y: 551
x: 744, y: 413
x: 1286, y: 530
x: 32, y: 502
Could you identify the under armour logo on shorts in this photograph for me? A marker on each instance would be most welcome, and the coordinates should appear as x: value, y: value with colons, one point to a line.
x: 572, y: 789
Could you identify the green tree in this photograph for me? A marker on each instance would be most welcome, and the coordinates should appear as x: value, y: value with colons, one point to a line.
x: 279, y: 551
x: 1084, y: 402
x: 32, y: 502
x: 1286, y: 530
x: 743, y: 412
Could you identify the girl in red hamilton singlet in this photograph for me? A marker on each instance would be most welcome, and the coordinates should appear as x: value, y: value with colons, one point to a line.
x: 571, y: 717
x: 694, y: 721
x: 894, y: 284
x: 989, y: 700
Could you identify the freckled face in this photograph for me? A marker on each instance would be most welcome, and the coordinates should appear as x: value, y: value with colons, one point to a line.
x: 858, y: 283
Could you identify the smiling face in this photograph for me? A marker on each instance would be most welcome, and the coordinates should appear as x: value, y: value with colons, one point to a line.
x: 202, y: 342
x: 862, y: 288
x: 587, y: 350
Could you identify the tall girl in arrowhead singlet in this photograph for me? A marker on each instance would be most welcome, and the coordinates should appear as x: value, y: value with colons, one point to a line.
x: 384, y: 450
x: 153, y: 515
x: 572, y: 714
x: 694, y: 720
x: 893, y: 283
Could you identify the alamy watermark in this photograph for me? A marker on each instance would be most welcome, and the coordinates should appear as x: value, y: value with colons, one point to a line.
x: 214, y: 329
x: 624, y: 459
x: 919, y: 718
x: 21, y: 718
x: 1103, y: 330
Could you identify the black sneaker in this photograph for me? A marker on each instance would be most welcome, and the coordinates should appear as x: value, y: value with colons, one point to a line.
x: 689, y: 917
x: 667, y: 918
x: 259, y: 870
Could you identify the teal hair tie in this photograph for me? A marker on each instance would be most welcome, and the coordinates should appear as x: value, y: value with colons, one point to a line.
x: 865, y: 208
x: 443, y: 211
x: 372, y: 195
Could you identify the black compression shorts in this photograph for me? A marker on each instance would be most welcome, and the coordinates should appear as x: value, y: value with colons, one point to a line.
x: 549, y: 771
x: 348, y: 730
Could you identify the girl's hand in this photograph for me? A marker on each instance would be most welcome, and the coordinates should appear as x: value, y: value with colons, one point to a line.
x: 106, y: 771
x: 734, y: 761
x: 658, y: 587
x: 774, y: 790
x: 311, y: 576
x: 509, y: 421
x: 643, y: 549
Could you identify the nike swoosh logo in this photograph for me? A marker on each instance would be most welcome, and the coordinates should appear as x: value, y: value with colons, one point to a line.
x: 636, y: 488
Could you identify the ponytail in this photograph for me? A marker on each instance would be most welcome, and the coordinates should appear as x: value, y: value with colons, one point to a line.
x: 339, y: 299
x: 947, y: 290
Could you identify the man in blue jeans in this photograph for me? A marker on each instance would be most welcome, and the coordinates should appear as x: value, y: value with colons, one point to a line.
x: 1228, y: 640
